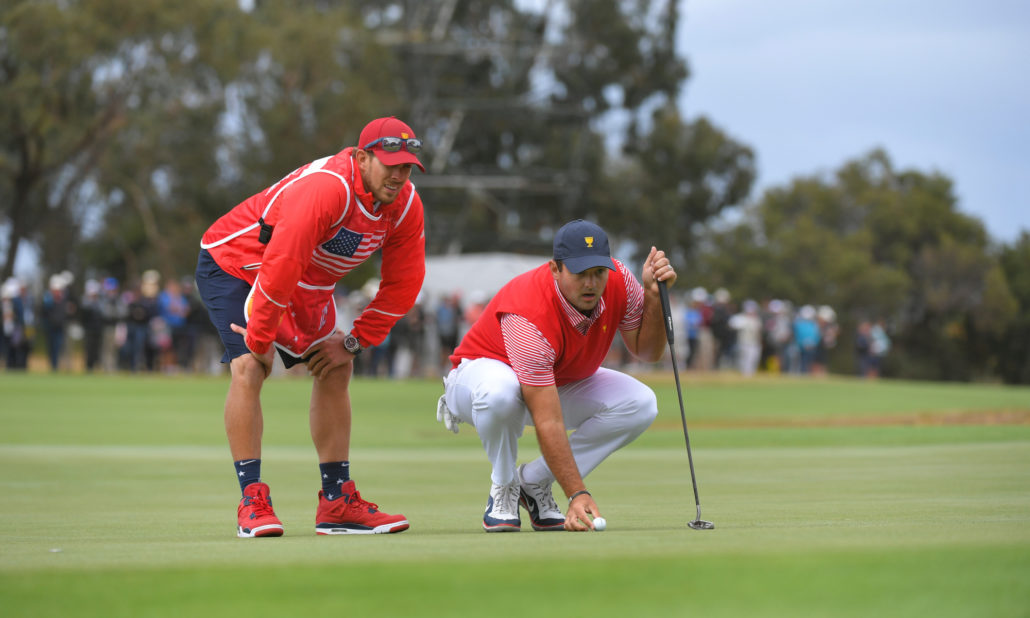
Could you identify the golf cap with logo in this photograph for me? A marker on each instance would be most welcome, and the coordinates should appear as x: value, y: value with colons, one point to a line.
x: 388, y: 127
x: 581, y: 245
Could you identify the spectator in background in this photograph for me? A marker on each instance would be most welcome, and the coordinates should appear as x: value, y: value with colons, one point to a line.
x: 416, y: 320
x: 91, y: 317
x: 56, y: 312
x: 725, y: 336
x: 6, y: 319
x: 826, y: 318
x: 780, y: 333
x: 806, y: 338
x: 767, y: 359
x: 115, y: 312
x: 863, y: 347
x: 695, y: 321
x: 380, y: 358
x: 748, y: 326
x: 707, y: 345
x: 25, y: 307
x: 18, y: 324
x: 142, y: 309
x: 448, y: 318
x: 407, y: 335
x: 879, y: 345
x: 400, y: 348
x: 173, y: 307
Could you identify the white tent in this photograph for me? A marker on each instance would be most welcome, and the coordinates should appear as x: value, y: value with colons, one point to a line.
x: 474, y: 274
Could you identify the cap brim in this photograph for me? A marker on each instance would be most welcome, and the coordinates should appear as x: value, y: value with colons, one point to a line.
x: 579, y: 264
x: 397, y: 158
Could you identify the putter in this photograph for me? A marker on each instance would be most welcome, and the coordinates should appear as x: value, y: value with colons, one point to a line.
x: 698, y: 523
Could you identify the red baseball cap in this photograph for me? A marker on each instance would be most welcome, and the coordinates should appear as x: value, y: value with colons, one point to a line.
x: 388, y: 127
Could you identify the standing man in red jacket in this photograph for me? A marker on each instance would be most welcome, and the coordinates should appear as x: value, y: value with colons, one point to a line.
x: 534, y: 358
x: 267, y: 271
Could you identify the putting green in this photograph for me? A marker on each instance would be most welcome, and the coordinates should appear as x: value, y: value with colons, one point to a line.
x: 119, y: 499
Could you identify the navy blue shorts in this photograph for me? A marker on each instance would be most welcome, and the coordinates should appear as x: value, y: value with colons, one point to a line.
x: 225, y: 296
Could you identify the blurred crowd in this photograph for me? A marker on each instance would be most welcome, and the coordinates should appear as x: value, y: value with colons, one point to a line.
x: 775, y: 336
x: 712, y: 333
x: 158, y: 324
x: 149, y: 325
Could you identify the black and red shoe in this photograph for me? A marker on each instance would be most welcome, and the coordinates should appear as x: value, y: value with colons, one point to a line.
x: 350, y: 514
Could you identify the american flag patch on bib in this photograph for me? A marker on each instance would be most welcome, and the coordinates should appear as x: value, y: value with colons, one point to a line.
x: 344, y: 244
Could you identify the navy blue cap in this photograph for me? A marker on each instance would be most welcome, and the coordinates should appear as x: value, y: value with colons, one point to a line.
x: 581, y: 245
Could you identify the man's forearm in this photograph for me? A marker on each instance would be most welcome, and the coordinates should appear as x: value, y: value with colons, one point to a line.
x: 554, y: 445
x: 545, y: 408
x: 651, y: 336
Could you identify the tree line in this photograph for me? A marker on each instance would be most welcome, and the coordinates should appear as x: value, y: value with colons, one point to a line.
x: 130, y: 126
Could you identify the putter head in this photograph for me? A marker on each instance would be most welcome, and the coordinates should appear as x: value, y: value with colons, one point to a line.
x: 700, y: 524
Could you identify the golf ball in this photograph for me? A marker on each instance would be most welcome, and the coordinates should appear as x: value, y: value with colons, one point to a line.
x: 600, y: 524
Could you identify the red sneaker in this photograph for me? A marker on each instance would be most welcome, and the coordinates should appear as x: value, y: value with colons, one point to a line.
x: 255, y: 516
x: 349, y: 514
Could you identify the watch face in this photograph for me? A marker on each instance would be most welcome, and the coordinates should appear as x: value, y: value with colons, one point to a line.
x: 351, y: 344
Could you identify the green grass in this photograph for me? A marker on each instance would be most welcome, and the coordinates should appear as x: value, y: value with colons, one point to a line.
x: 830, y: 498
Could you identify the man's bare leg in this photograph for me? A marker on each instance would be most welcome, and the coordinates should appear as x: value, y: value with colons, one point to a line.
x: 244, y: 423
x: 330, y: 415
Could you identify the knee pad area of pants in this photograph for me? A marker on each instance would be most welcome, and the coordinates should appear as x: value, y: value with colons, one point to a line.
x: 649, y: 410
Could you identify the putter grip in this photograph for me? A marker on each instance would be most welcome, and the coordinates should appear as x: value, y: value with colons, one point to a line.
x: 663, y: 291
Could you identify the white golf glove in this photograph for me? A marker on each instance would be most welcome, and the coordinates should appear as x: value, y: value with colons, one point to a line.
x: 443, y: 414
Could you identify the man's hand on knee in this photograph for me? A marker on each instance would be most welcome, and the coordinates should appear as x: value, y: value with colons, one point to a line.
x: 327, y: 356
x: 264, y: 359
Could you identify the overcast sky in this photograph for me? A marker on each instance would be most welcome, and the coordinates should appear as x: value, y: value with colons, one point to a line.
x: 941, y: 85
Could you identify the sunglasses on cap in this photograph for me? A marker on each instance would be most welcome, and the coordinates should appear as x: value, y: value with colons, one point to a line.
x: 395, y: 144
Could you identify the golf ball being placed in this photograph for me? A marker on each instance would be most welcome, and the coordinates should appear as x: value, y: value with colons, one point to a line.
x: 600, y: 524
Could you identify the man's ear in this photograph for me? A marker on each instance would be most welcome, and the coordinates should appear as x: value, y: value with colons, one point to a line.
x: 363, y: 158
x: 555, y: 269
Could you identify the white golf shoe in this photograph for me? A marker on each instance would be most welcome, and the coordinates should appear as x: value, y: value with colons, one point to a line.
x: 502, y: 508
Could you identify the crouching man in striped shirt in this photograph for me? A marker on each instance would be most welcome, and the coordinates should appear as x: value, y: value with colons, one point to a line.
x: 534, y: 358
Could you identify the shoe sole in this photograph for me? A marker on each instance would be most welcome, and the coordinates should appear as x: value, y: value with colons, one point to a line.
x: 333, y: 529
x: 260, y: 531
x: 502, y: 528
x: 550, y: 528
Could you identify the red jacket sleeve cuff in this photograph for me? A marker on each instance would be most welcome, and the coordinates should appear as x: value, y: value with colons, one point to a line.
x: 257, y: 347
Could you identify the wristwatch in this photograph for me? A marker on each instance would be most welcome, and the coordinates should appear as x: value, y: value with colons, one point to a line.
x: 351, y: 344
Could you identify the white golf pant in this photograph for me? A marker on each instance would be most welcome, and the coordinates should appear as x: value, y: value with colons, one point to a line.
x: 605, y: 412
